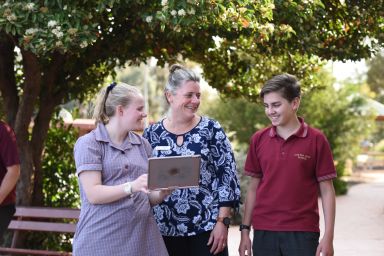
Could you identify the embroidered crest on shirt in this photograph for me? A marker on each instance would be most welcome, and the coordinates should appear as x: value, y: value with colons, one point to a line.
x: 302, y: 156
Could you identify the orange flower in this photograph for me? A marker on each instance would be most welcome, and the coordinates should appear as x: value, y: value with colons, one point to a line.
x: 244, y: 22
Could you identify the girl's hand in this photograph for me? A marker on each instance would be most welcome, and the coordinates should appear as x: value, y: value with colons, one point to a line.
x: 140, y: 184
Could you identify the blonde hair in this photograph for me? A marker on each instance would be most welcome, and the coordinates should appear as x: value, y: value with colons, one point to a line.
x: 110, y: 97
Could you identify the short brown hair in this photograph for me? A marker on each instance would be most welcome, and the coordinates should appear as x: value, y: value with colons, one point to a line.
x: 286, y: 84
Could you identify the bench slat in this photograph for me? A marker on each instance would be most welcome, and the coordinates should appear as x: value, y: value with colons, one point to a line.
x: 44, y: 212
x: 40, y: 219
x: 33, y: 252
x: 42, y: 226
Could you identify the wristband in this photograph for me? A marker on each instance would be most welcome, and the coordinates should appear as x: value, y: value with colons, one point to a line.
x: 128, y: 188
x: 242, y: 226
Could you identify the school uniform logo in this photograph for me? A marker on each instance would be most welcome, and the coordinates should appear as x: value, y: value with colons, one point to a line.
x: 302, y: 156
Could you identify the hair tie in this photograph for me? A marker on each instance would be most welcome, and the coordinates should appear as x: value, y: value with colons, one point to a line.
x: 111, y: 86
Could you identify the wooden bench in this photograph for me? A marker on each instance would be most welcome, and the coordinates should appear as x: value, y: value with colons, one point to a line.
x: 41, y: 219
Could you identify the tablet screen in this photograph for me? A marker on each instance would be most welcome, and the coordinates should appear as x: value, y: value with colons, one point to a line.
x: 173, y: 172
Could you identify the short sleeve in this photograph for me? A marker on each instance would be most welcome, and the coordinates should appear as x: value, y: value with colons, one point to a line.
x: 88, y: 154
x: 147, y: 146
x: 325, y: 168
x: 252, y: 166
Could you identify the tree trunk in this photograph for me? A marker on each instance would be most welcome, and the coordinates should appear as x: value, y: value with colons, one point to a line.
x: 39, y: 135
x: 39, y: 92
x: 31, y: 89
x: 50, y: 97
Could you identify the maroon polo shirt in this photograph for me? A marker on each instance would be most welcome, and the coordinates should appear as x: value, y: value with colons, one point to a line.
x: 8, y: 157
x: 289, y: 171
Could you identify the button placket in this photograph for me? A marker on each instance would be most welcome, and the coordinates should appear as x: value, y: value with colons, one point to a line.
x: 283, y: 152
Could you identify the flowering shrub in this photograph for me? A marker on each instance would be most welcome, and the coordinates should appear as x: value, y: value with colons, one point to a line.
x: 44, y: 28
x: 52, y: 25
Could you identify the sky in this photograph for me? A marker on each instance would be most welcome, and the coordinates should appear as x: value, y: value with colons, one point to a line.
x: 347, y: 70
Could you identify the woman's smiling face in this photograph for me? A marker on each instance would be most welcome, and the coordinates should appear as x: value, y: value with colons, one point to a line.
x: 186, y: 99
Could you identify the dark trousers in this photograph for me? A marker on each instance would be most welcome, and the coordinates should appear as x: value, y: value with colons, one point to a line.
x: 6, y: 213
x: 190, y: 245
x: 285, y: 243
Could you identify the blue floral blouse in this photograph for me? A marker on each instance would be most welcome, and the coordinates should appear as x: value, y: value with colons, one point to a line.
x: 190, y: 211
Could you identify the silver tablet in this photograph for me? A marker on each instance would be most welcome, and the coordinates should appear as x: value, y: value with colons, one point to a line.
x: 173, y: 172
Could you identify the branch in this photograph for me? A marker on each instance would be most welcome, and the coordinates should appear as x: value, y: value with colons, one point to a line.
x: 46, y: 103
x: 31, y: 89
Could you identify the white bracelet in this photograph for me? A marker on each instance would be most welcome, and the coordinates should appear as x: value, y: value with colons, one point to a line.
x: 127, y: 188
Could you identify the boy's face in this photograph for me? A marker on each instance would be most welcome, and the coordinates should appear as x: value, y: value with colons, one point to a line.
x: 279, y: 110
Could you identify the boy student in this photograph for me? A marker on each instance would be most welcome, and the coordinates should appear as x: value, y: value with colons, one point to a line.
x: 289, y: 164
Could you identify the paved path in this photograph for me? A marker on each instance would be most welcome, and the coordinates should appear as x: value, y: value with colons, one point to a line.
x: 359, y: 229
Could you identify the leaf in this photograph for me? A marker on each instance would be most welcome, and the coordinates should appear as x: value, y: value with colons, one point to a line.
x: 60, y: 3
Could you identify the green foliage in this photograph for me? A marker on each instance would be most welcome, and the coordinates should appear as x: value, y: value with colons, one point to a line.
x: 377, y: 138
x: 375, y: 81
x: 375, y: 75
x: 60, y: 187
x: 337, y: 113
x: 241, y: 75
x: 238, y: 116
x: 300, y: 35
x: 240, y: 44
x: 230, y: 38
x: 379, y: 146
x: 340, y: 185
x: 240, y: 156
x: 49, y: 26
x: 46, y: 241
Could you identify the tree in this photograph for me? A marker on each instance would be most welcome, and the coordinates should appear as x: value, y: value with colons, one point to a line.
x: 239, y: 118
x: 55, y: 51
x: 375, y: 75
